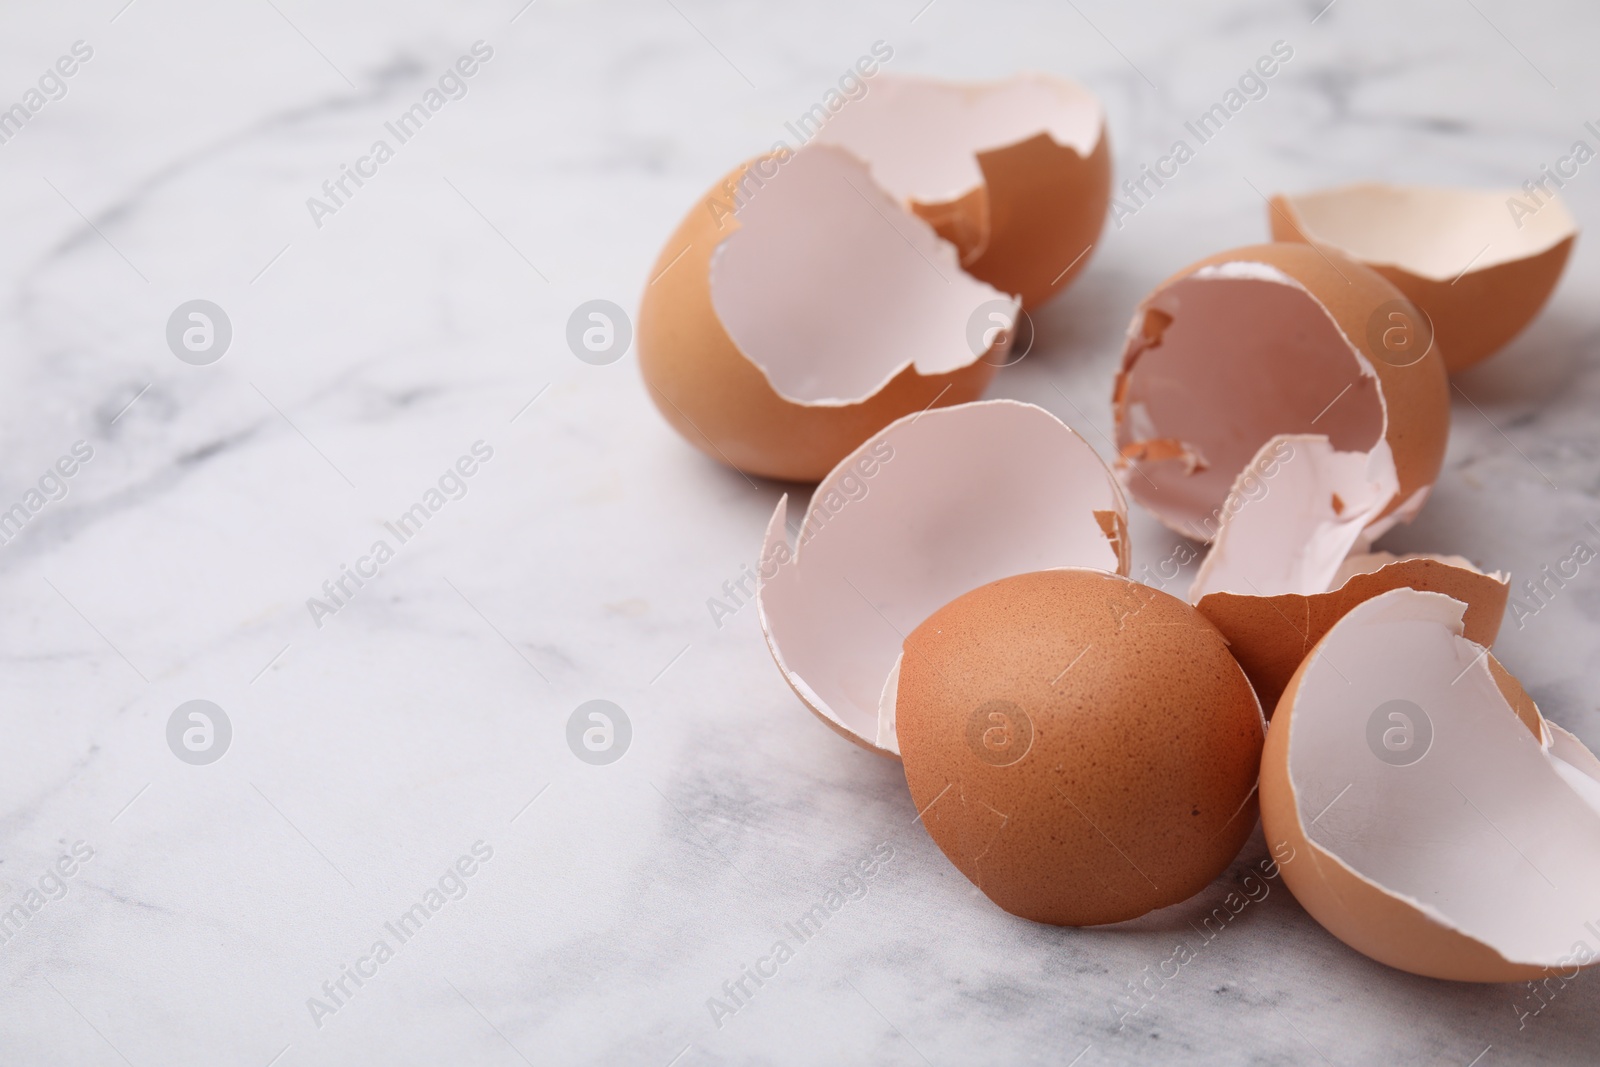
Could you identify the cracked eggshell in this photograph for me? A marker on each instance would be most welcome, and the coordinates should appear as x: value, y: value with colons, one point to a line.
x: 1271, y: 635
x: 1480, y: 269
x: 1016, y: 173
x: 1082, y: 747
x: 798, y: 309
x: 1252, y: 410
x: 1437, y: 822
x: 937, y: 503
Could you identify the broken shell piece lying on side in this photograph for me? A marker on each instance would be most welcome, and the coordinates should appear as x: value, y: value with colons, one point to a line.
x: 779, y: 334
x: 936, y: 504
x: 1438, y: 823
x: 1252, y: 410
x: 1479, y: 263
x: 1271, y: 635
x: 1017, y: 173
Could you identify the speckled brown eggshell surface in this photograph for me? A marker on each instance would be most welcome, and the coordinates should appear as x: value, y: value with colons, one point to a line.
x: 1082, y: 747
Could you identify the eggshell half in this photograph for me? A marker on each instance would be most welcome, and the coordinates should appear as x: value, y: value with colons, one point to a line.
x: 934, y: 505
x: 1016, y: 173
x: 1252, y: 410
x: 1477, y: 264
x: 1434, y: 820
x: 798, y: 309
x: 1081, y: 746
x: 1271, y: 635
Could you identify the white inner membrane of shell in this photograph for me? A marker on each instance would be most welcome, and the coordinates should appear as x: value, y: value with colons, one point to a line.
x: 922, y: 137
x: 1278, y: 423
x: 935, y: 505
x: 1435, y: 233
x: 832, y: 288
x: 1411, y: 768
x: 1293, y: 517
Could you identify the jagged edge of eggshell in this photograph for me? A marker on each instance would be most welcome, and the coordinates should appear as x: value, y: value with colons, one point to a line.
x: 1022, y: 156
x: 680, y: 338
x: 972, y: 209
x: 994, y: 355
x: 1070, y: 170
x: 1477, y: 960
x: 1240, y: 616
x: 1094, y: 144
x: 1113, y: 524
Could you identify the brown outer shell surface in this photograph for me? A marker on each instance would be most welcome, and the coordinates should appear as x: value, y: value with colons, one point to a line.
x: 1375, y: 923
x: 1028, y: 222
x: 1416, y: 396
x: 1270, y: 636
x: 1137, y: 785
x: 1474, y: 316
x: 723, y: 404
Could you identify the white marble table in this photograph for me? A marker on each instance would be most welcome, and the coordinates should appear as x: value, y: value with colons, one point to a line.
x: 428, y: 713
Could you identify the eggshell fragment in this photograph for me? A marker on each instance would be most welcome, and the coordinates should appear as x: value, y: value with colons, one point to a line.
x: 1479, y: 263
x: 1017, y: 173
x: 1252, y: 410
x: 1271, y: 635
x: 779, y: 334
x: 1327, y: 498
x: 934, y: 505
x: 1437, y: 823
x: 1081, y: 746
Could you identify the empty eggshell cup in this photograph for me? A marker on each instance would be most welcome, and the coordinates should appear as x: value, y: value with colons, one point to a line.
x: 1253, y: 412
x: 936, y: 504
x: 1479, y: 263
x: 1438, y: 823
